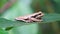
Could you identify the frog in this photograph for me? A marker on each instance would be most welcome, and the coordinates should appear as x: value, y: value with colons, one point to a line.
x: 35, y: 17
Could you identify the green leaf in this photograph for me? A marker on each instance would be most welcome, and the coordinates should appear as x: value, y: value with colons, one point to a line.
x: 51, y: 17
x: 46, y: 19
x: 8, y: 23
x: 26, y: 29
x: 3, y: 31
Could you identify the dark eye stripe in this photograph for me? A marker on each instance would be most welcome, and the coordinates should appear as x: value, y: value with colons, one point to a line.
x: 36, y: 15
x: 26, y: 19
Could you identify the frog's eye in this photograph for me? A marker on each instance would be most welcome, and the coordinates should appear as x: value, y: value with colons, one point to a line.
x: 26, y: 19
x: 34, y: 16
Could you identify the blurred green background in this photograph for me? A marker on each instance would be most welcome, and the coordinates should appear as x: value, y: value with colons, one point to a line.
x: 51, y: 19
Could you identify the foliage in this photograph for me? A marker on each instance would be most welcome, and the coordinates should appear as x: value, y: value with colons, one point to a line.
x: 8, y: 24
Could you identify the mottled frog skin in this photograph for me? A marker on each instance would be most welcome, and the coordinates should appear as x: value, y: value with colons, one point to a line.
x: 36, y: 17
